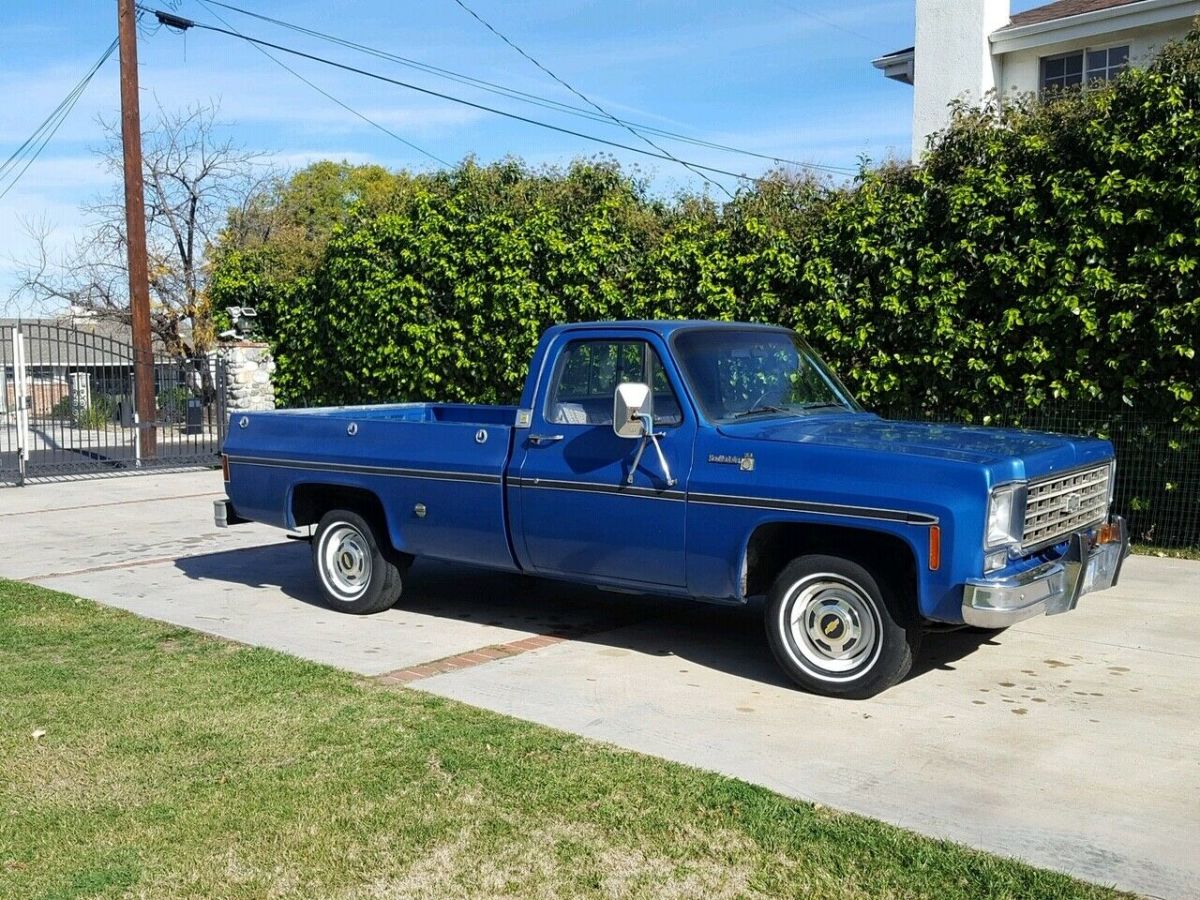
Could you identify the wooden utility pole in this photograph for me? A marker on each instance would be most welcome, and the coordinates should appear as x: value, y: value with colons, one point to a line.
x: 135, y: 231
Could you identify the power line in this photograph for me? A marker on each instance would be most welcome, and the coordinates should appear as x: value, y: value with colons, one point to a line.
x: 330, y: 96
x: 596, y: 106
x: 825, y: 21
x: 32, y: 148
x: 63, y: 106
x: 523, y: 96
x: 179, y: 22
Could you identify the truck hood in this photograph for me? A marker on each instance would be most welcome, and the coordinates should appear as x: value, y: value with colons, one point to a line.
x: 1040, y: 452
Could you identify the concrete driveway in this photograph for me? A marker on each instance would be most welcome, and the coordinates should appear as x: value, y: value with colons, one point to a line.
x: 1071, y: 742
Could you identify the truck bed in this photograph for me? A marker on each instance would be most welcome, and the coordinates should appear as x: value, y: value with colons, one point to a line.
x: 438, y: 469
x: 464, y: 413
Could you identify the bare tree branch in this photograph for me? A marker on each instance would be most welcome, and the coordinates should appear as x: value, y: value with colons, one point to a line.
x: 194, y: 181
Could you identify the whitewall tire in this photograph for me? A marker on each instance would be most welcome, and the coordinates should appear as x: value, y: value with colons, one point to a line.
x: 354, y: 573
x: 836, y: 630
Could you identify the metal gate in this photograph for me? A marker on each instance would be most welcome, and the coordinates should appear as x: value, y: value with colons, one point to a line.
x: 67, y: 405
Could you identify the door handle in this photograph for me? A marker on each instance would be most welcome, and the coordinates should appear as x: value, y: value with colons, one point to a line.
x: 543, y: 439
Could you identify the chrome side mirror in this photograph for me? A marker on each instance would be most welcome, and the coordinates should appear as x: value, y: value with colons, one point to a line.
x: 632, y: 404
x: 633, y: 417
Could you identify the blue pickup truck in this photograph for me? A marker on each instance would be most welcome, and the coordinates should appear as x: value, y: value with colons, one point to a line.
x: 711, y: 460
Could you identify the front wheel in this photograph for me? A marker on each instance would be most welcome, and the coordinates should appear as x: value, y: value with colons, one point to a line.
x: 354, y: 573
x: 836, y: 631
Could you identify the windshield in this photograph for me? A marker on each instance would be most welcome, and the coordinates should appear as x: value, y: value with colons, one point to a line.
x: 738, y: 374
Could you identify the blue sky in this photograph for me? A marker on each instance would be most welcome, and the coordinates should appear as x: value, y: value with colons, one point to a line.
x: 791, y: 79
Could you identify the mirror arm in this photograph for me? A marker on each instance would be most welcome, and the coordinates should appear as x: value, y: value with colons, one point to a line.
x: 649, y: 436
x: 637, y: 460
x: 662, y: 460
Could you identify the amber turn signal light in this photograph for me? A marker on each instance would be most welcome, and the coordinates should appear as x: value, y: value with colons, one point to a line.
x: 1108, y: 534
x: 225, y: 467
x: 935, y: 548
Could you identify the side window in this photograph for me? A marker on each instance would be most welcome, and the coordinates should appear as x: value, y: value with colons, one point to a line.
x: 589, y: 372
x: 666, y: 405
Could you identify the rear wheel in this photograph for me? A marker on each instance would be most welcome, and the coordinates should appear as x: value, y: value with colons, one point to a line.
x: 836, y: 630
x: 355, y: 575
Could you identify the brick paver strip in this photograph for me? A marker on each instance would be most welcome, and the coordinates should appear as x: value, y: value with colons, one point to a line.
x: 483, y: 655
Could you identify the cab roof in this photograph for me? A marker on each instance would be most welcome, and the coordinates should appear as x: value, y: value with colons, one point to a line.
x: 662, y: 327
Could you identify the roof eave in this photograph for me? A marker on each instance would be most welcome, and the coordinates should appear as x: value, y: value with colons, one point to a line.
x: 897, y: 66
x: 1135, y: 15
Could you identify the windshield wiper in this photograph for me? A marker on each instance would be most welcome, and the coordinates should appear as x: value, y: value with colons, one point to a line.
x: 758, y: 410
x: 822, y: 405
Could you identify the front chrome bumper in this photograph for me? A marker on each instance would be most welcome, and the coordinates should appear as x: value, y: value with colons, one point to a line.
x: 1051, y: 588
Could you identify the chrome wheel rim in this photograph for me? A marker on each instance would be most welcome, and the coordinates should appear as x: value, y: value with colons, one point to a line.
x: 346, y: 561
x: 833, y: 625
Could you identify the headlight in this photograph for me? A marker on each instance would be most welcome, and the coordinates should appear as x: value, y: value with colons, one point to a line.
x: 1006, y: 516
x: 1112, y: 481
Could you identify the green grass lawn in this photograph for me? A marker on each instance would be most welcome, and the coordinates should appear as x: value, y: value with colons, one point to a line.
x: 174, y: 764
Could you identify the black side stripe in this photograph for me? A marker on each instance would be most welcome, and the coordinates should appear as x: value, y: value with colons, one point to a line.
x: 357, y: 469
x: 802, y: 506
x: 586, y: 487
x: 820, y: 509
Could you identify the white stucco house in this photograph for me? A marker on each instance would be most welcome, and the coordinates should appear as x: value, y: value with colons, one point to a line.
x: 966, y: 49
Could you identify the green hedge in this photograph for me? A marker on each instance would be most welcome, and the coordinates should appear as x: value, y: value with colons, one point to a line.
x: 1045, y: 253
x: 1049, y: 251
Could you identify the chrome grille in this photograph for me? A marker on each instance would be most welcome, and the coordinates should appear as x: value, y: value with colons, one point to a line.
x: 1062, y: 504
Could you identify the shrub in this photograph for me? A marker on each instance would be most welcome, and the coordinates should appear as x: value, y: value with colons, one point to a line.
x: 172, y: 404
x: 1045, y: 253
x: 99, y: 414
x: 61, y: 408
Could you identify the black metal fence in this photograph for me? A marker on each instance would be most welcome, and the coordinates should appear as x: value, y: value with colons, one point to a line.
x: 67, y: 405
x: 1158, y: 461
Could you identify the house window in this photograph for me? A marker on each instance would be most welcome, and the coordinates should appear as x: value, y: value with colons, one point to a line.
x: 1062, y: 71
x: 1083, y: 67
x: 1104, y: 65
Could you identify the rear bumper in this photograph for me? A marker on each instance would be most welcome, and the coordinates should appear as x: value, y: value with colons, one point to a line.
x: 1052, y: 588
x: 225, y: 515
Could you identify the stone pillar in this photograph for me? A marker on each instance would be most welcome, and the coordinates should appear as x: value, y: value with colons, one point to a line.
x: 248, y: 370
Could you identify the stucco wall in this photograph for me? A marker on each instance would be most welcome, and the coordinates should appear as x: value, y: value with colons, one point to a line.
x: 952, y: 60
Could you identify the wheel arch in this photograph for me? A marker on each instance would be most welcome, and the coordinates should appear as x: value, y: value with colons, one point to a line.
x: 309, y: 501
x: 886, y: 555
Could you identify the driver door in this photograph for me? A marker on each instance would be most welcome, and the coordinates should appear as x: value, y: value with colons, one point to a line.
x: 581, y: 515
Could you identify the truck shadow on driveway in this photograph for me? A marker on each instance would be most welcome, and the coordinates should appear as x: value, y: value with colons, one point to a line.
x: 725, y: 639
